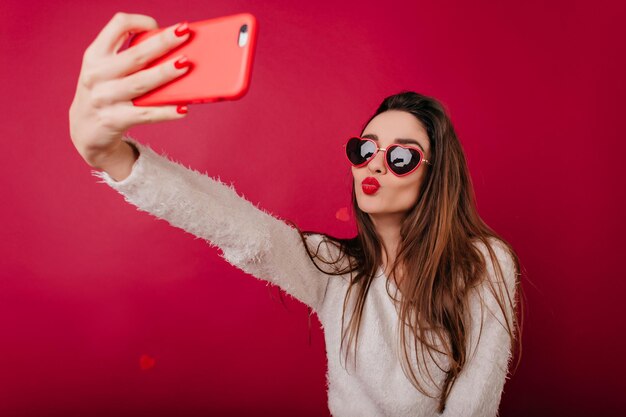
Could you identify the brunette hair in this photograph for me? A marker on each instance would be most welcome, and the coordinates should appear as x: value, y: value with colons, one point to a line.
x: 438, y: 255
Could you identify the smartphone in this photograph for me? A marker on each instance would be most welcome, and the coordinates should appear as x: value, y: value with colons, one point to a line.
x: 221, y: 51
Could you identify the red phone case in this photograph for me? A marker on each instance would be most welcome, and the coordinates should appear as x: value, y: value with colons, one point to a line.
x: 221, y: 68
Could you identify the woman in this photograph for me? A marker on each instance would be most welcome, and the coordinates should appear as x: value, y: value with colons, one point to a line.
x: 425, y: 294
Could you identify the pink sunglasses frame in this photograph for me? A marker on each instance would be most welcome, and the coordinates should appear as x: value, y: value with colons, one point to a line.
x: 422, y: 159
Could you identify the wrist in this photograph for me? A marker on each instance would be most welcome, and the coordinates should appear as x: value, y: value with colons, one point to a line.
x: 134, y: 149
x: 102, y: 159
x: 118, y: 163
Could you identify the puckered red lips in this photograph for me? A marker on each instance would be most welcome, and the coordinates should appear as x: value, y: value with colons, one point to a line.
x: 370, y: 185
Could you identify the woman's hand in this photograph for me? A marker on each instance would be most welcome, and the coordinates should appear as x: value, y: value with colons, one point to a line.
x: 102, y: 110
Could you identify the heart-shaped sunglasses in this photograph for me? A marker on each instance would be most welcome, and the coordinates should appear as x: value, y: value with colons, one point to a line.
x: 400, y: 159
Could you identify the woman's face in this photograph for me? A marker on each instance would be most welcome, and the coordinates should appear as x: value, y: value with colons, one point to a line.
x: 396, y: 195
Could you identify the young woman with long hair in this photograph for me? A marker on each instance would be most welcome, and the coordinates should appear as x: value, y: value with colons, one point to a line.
x: 419, y: 309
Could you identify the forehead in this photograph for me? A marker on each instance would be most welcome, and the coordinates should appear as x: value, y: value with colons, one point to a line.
x: 394, y: 124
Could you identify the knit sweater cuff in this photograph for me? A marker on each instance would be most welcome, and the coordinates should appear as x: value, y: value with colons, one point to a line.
x: 138, y: 169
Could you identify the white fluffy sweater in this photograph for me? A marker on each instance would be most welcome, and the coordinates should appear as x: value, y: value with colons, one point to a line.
x: 271, y: 250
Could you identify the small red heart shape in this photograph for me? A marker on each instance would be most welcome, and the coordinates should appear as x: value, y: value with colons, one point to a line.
x: 146, y: 362
x: 343, y: 214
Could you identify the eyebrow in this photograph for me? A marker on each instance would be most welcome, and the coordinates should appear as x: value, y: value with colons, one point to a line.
x: 403, y: 141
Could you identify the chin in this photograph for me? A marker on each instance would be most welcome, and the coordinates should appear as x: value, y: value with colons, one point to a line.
x: 369, y: 208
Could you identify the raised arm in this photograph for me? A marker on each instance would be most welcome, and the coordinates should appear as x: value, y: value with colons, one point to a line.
x: 99, y: 117
x: 478, y: 390
x: 250, y: 238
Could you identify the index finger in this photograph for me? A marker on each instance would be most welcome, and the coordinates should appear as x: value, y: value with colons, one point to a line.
x: 114, y: 33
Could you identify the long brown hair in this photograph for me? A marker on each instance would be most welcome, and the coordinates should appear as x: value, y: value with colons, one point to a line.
x: 437, y: 254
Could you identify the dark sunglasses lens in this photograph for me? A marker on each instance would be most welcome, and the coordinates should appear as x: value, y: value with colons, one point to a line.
x: 402, y: 160
x: 359, y: 151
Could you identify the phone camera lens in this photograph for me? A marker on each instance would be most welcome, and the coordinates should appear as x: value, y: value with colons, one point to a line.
x: 243, y: 36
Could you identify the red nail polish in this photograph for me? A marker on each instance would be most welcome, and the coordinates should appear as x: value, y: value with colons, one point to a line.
x: 182, y: 62
x: 182, y: 29
x: 181, y: 109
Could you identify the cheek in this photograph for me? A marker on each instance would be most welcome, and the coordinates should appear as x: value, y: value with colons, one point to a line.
x: 358, y: 175
x: 355, y: 179
x: 409, y: 192
x: 406, y: 192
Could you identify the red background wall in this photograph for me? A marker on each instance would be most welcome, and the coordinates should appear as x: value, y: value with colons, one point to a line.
x: 89, y: 285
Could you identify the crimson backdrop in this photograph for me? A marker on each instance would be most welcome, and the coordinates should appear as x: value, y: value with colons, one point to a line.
x: 89, y: 286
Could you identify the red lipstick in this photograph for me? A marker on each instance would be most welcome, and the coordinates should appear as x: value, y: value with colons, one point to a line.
x: 370, y: 185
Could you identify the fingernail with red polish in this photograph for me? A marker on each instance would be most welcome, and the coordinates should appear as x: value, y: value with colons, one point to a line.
x: 182, y: 62
x: 182, y: 29
x: 181, y: 109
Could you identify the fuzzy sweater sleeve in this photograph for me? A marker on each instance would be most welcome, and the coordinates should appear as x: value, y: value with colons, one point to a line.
x: 478, y: 389
x: 250, y: 238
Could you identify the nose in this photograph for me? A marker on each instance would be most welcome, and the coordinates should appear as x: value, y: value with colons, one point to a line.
x: 378, y: 163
